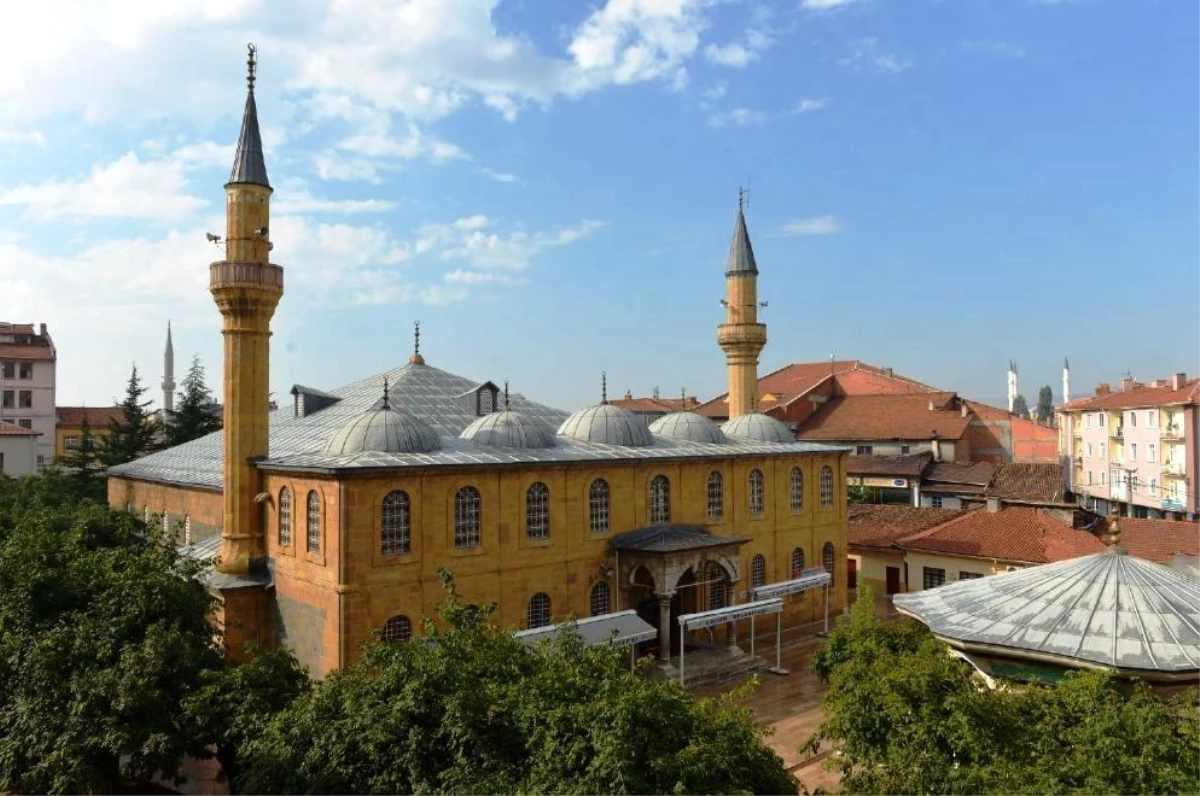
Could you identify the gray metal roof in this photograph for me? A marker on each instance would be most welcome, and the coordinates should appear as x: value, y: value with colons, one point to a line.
x: 741, y: 254
x: 669, y: 538
x: 206, y: 550
x: 758, y: 428
x: 688, y: 426
x: 432, y: 395
x: 383, y: 430
x: 1110, y: 609
x: 509, y: 429
x: 607, y: 424
x: 249, y: 167
x: 623, y: 629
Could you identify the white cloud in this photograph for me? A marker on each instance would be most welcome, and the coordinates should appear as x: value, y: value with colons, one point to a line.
x: 473, y: 242
x: 1004, y: 49
x: 499, y: 176
x: 824, y: 5
x: 804, y: 227
x: 808, y: 105
x: 294, y: 198
x: 22, y: 137
x: 716, y: 92
x: 867, y: 57
x: 738, y: 117
x: 740, y: 52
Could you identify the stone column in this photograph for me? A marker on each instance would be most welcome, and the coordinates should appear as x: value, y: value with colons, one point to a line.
x: 664, y: 627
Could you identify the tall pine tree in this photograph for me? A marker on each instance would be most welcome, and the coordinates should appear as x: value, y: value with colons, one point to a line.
x: 1045, y: 404
x: 1020, y: 407
x: 84, y: 461
x: 193, y: 416
x: 133, y: 434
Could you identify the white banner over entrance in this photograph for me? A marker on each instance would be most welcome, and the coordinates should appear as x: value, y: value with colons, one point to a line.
x: 732, y: 613
x: 811, y: 578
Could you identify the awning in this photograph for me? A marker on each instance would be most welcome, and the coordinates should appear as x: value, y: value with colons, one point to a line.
x: 732, y: 613
x: 812, y: 578
x: 623, y: 628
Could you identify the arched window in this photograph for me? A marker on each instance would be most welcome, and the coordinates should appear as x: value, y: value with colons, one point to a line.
x: 660, y: 500
x: 395, y: 524
x: 717, y: 587
x: 537, y: 511
x: 797, y: 562
x: 599, y: 602
x: 796, y: 484
x: 716, y: 496
x: 826, y: 487
x: 314, y: 522
x: 598, y: 506
x: 827, y: 555
x: 756, y: 492
x: 397, y: 629
x: 285, y: 517
x: 537, y: 614
x: 466, y: 517
x: 758, y: 571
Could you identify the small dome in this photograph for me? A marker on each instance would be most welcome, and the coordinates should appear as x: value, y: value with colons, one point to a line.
x: 384, y: 430
x: 509, y: 429
x: 607, y: 424
x: 689, y: 427
x: 756, y: 427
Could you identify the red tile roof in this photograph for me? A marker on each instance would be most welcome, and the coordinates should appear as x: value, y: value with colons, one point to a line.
x: 37, y: 352
x: 880, y: 417
x: 978, y: 473
x: 1021, y: 534
x: 1158, y: 540
x: 880, y: 526
x: 910, y: 466
x: 655, y: 404
x: 1035, y: 483
x: 16, y: 328
x: 7, y: 430
x: 1141, y: 395
x: 98, y: 416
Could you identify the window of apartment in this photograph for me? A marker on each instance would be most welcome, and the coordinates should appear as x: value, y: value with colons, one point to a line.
x: 395, y: 524
x: 716, y: 496
x: 1151, y: 452
x: 905, y: 449
x: 936, y: 501
x: 1103, y: 445
x: 933, y: 577
x: 1133, y: 419
x: 25, y: 423
x: 1087, y: 420
x: 10, y: 370
x: 9, y: 399
x: 598, y: 506
x: 1089, y: 450
x: 1101, y: 478
x: 1150, y: 417
x: 25, y: 399
x: 1089, y: 477
x: 1133, y: 452
x: 863, y: 450
x: 467, y: 527
x: 1153, y: 487
x: 25, y: 371
x: 1103, y: 419
x: 757, y: 499
x: 969, y: 575
x: 71, y: 443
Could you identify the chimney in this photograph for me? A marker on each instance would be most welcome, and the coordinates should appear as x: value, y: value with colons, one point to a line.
x: 931, y: 406
x: 993, y: 504
x: 963, y: 409
x: 935, y: 445
x: 1177, y: 381
x: 43, y: 328
x: 888, y: 371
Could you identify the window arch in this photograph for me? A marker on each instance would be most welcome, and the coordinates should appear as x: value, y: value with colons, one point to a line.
x: 660, y: 500
x: 758, y: 571
x: 537, y: 511
x: 598, y: 506
x: 537, y: 613
x: 796, y: 484
x: 797, y: 562
x: 717, y: 587
x: 285, y: 517
x: 396, y: 524
x: 467, y: 532
x: 398, y: 629
x: 599, y: 603
x: 827, y: 556
x: 313, y: 531
x: 716, y: 495
x: 756, y: 496
x: 826, y: 487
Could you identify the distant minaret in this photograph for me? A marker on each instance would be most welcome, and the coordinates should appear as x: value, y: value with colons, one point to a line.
x: 1012, y: 384
x: 1066, y: 381
x: 168, y: 384
x: 741, y: 337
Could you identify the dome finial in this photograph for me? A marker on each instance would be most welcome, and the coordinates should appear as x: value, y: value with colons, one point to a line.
x: 251, y: 63
x: 1114, y: 530
x: 604, y: 386
x: 506, y: 393
x: 385, y: 393
x: 416, y: 357
x: 683, y: 398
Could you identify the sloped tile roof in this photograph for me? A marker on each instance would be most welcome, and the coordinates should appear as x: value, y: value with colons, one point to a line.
x: 97, y: 416
x: 907, y: 466
x: 977, y: 473
x: 880, y: 526
x: 1158, y: 540
x: 1021, y: 534
x: 38, y: 352
x: 885, y: 417
x: 1143, y: 395
x: 1036, y: 483
x: 7, y: 430
x: 670, y: 538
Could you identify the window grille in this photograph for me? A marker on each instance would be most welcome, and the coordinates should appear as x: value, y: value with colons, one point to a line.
x: 395, y: 522
x: 599, y: 601
x: 716, y: 496
x: 598, y: 506
x: 285, y: 517
x: 758, y: 571
x: 467, y: 531
x: 796, y: 483
x: 537, y: 512
x: 538, y: 612
x: 314, y: 522
x: 660, y: 500
x: 826, y: 487
x: 398, y: 629
x: 757, y: 498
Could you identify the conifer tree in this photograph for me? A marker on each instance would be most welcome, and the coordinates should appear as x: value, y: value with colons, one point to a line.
x: 1020, y: 407
x: 84, y: 459
x: 1045, y: 404
x: 192, y: 417
x: 133, y: 434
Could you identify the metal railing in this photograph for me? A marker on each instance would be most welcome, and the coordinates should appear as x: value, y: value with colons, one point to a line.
x: 266, y: 274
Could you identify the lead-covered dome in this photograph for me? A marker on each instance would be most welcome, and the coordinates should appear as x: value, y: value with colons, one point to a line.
x: 688, y: 427
x: 510, y: 429
x: 756, y: 427
x: 607, y: 424
x: 383, y: 430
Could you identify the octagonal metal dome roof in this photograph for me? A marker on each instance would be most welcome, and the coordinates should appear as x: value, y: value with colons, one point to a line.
x: 757, y: 427
x: 510, y: 429
x: 688, y: 426
x: 607, y: 424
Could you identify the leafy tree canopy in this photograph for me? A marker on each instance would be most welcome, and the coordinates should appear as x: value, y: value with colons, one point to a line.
x: 1020, y: 407
x: 1045, y: 404
x: 470, y: 709
x: 192, y: 417
x: 133, y: 434
x: 905, y: 717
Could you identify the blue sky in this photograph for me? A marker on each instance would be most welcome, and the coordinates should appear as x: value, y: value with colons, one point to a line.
x: 935, y: 185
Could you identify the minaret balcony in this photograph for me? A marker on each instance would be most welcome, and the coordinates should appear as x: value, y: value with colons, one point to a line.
x: 225, y: 274
x: 739, y: 334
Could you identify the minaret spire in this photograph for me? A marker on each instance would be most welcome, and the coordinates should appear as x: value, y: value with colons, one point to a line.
x: 249, y: 167
x: 168, y: 384
x: 741, y: 337
x: 416, y: 358
x: 1066, y: 381
x: 604, y: 386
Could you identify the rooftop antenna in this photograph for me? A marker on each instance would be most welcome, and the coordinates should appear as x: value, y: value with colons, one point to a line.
x: 251, y: 63
x: 742, y: 202
x: 386, y: 405
x: 603, y: 386
x: 506, y: 393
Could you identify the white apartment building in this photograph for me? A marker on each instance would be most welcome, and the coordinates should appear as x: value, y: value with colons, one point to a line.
x: 27, y: 384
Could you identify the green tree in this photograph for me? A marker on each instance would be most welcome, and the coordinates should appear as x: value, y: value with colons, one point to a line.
x: 84, y: 461
x: 861, y: 494
x: 476, y: 711
x: 1020, y: 407
x: 133, y: 434
x: 905, y: 717
x: 104, y: 630
x: 192, y: 417
x: 1045, y: 404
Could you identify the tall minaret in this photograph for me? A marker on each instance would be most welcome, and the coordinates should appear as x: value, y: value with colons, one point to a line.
x: 246, y: 288
x: 1012, y: 384
x: 168, y: 384
x: 741, y: 337
x: 1066, y: 381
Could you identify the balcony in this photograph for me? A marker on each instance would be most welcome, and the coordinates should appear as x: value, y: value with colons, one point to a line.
x: 1172, y: 469
x: 1172, y: 434
x: 224, y: 274
x: 1116, y: 432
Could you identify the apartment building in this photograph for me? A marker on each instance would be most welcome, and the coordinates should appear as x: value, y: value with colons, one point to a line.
x: 27, y: 384
x: 1134, y: 450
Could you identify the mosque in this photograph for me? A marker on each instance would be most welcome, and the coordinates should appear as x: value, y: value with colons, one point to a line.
x: 329, y: 518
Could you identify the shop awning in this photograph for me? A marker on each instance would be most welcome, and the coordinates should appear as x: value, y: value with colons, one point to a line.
x: 623, y: 628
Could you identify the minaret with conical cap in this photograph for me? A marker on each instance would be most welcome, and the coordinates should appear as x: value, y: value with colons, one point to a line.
x: 168, y: 384
x: 246, y: 288
x: 741, y: 337
x: 1066, y: 381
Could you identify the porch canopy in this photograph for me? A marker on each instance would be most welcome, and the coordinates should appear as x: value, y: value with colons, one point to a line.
x: 624, y: 628
x: 732, y: 613
x: 811, y: 578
